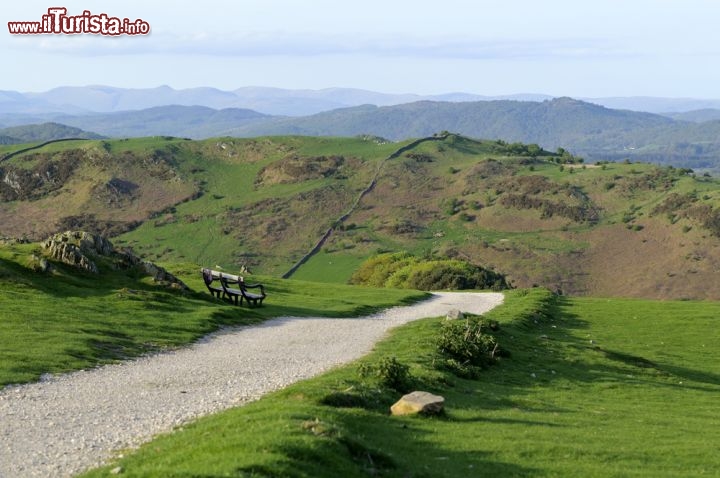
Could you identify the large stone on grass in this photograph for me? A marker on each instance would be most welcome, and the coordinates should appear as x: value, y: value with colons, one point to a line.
x: 418, y: 402
x: 454, y: 314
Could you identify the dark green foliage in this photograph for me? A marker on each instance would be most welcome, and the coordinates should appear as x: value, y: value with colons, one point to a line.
x: 453, y: 206
x: 465, y: 346
x: 577, y: 213
x: 388, y: 373
x: 531, y: 192
x: 420, y: 157
x: 375, y: 271
x: 404, y: 271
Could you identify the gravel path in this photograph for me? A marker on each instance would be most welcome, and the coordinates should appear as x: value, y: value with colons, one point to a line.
x: 69, y: 423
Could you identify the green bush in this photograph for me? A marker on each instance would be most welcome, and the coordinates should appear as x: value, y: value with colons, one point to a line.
x: 388, y: 372
x: 404, y: 271
x: 464, y: 346
x: 375, y: 271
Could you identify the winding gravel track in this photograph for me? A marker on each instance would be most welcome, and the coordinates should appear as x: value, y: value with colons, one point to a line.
x: 69, y: 423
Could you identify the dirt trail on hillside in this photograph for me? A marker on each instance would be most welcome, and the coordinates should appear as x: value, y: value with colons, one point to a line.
x: 69, y: 423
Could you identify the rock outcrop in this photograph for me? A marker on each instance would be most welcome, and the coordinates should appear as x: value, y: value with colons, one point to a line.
x: 71, y: 248
x: 79, y: 248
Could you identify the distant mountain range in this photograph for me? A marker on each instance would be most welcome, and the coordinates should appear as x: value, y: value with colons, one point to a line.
x: 283, y: 102
x: 270, y: 101
x: 683, y: 139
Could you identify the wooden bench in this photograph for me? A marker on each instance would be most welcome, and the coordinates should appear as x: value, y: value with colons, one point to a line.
x: 227, y: 291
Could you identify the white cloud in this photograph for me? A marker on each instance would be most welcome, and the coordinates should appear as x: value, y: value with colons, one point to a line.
x: 298, y: 44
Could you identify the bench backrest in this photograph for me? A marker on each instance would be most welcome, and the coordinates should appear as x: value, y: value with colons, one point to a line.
x: 231, y: 277
x: 210, y: 275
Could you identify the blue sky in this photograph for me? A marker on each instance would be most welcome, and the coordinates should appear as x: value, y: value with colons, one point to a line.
x: 559, y: 47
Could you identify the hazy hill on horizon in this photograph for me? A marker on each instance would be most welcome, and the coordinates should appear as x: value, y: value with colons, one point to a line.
x: 265, y: 100
x: 286, y: 102
x: 42, y: 132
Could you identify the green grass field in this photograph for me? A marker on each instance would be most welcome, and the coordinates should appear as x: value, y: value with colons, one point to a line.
x: 68, y: 320
x: 594, y: 387
x: 329, y: 267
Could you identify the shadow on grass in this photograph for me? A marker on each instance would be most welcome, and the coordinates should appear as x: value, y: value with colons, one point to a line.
x: 547, y: 339
x: 504, y: 421
x: 684, y: 373
x: 373, y: 444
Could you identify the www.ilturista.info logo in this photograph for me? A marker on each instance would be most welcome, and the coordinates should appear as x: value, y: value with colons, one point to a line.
x: 58, y: 22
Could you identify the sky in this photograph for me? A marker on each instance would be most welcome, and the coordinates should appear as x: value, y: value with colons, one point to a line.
x: 591, y: 48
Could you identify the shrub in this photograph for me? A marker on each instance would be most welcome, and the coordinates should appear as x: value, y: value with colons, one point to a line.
x: 453, y: 206
x: 404, y: 271
x: 388, y: 372
x: 375, y: 271
x: 447, y: 274
x: 465, y: 348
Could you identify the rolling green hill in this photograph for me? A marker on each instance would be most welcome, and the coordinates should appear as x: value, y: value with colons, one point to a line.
x: 611, y: 229
x: 554, y: 123
x: 42, y: 132
x: 584, y: 128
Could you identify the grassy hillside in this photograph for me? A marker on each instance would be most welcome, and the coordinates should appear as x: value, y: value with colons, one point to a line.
x: 265, y: 201
x: 614, y: 229
x: 98, y: 185
x: 617, y: 229
x: 593, y: 387
x: 42, y: 132
x: 63, y: 320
